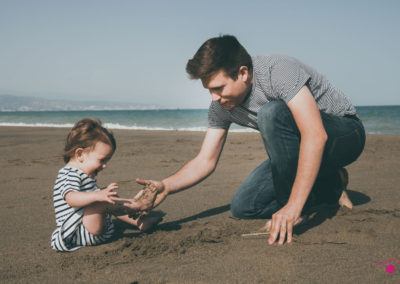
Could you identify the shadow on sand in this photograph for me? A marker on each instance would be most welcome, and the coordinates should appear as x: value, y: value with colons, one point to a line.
x: 321, y: 213
x: 120, y: 226
x: 318, y: 215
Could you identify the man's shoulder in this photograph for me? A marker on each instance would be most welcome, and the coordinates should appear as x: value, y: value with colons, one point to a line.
x: 270, y: 59
x: 269, y: 56
x: 216, y: 108
x: 218, y: 117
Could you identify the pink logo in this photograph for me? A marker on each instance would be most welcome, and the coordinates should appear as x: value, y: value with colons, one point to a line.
x: 389, y: 266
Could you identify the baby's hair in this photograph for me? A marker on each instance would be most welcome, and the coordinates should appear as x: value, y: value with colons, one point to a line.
x: 86, y: 133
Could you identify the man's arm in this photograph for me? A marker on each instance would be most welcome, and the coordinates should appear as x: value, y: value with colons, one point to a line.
x: 195, y: 170
x: 313, y: 138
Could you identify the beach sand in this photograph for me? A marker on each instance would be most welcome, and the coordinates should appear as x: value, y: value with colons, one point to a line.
x: 198, y: 241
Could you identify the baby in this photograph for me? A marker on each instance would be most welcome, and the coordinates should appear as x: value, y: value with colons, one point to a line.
x: 82, y: 209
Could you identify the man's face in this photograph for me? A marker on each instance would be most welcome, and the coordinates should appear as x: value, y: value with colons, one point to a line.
x: 227, y: 92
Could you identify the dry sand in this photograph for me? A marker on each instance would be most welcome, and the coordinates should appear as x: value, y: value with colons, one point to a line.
x: 197, y: 242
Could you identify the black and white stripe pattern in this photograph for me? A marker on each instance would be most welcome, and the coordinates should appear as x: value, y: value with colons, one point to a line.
x: 70, y: 233
x: 280, y: 77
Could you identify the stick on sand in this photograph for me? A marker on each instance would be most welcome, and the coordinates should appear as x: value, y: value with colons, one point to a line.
x: 256, y: 235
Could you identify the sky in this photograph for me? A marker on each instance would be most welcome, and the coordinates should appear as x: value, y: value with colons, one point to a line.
x: 136, y: 51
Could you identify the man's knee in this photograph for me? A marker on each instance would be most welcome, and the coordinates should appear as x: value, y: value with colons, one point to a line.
x: 243, y: 210
x: 237, y: 208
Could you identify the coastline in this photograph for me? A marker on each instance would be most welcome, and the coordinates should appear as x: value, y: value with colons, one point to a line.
x: 376, y: 119
x: 197, y: 240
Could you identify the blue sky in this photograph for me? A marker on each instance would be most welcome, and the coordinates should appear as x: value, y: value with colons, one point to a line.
x: 136, y: 51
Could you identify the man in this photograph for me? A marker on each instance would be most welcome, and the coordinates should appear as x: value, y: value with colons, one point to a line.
x: 309, y: 128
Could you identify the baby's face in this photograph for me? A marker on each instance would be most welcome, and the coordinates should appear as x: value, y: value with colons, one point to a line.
x: 95, y: 159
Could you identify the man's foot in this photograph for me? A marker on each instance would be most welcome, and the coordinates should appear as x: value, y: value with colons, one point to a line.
x: 146, y: 223
x: 267, y: 227
x: 344, y: 200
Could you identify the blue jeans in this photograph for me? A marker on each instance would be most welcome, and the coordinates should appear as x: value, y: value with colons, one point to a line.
x: 268, y: 187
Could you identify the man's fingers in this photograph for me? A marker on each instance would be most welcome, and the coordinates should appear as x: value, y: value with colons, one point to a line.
x: 142, y: 181
x: 138, y: 194
x: 289, y: 232
x: 158, y: 200
x: 275, y: 226
x: 282, y: 233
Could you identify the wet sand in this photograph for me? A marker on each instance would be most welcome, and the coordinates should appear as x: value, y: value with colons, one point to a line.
x: 198, y: 241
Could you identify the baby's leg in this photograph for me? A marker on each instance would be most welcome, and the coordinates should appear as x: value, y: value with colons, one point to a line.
x: 144, y: 223
x: 94, y: 217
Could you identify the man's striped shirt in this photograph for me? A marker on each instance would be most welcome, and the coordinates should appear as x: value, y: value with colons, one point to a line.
x: 280, y: 77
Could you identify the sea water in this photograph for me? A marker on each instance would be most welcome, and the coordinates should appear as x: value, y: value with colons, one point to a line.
x: 376, y: 119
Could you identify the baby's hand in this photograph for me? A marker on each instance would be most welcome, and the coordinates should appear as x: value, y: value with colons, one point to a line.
x: 106, y: 193
x: 113, y: 186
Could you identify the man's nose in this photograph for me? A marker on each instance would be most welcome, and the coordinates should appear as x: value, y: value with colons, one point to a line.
x: 215, y: 98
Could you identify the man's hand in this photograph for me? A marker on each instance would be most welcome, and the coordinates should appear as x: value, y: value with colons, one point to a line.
x: 161, y: 193
x: 282, y: 224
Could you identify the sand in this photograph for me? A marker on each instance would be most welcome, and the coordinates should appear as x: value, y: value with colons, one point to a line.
x: 198, y: 241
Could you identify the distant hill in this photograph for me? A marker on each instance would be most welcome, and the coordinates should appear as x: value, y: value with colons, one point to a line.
x: 20, y: 103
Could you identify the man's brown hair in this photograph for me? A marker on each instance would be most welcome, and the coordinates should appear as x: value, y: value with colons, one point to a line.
x: 219, y: 53
x: 85, y: 134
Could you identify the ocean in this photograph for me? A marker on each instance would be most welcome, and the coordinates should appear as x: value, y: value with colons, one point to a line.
x: 376, y: 119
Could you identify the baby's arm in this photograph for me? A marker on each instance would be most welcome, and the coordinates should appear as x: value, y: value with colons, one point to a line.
x: 83, y: 199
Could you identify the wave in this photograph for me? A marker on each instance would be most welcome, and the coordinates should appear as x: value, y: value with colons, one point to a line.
x: 372, y: 130
x: 234, y: 128
x: 119, y: 126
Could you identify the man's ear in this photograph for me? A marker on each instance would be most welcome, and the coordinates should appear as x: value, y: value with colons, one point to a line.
x: 79, y: 154
x: 244, y: 73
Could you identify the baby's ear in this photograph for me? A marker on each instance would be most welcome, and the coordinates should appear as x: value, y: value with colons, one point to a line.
x: 79, y: 154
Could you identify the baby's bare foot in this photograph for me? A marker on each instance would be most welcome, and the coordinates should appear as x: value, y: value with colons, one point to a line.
x: 145, y: 223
